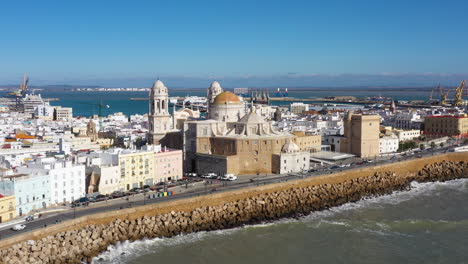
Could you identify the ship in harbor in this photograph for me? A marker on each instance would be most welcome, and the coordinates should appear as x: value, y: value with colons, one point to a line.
x: 195, y: 102
x: 21, y: 100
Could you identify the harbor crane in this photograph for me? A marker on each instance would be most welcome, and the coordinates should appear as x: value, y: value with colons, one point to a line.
x: 459, y: 93
x: 443, y: 94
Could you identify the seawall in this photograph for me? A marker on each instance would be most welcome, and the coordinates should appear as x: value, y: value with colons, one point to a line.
x: 83, y: 238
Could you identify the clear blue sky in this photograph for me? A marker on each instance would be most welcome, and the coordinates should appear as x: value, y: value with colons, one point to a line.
x: 97, y: 41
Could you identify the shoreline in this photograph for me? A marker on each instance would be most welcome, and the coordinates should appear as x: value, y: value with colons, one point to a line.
x: 225, y: 210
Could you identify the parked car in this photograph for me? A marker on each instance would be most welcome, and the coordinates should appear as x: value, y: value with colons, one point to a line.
x: 334, y: 167
x: 231, y: 177
x: 29, y: 218
x: 209, y: 175
x: 154, y: 188
x: 223, y: 178
x: 82, y: 200
x: 117, y: 194
x: 191, y: 174
x: 18, y: 227
x: 136, y: 190
x: 100, y: 198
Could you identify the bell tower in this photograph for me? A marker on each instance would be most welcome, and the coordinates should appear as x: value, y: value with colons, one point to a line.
x: 159, y: 119
x: 213, y: 91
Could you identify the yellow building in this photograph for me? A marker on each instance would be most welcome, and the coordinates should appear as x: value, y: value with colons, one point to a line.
x: 136, y: 168
x: 306, y: 142
x: 7, y: 208
x: 446, y: 125
x: 361, y: 135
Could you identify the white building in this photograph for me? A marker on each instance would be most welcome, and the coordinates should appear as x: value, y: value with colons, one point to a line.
x: 298, y: 108
x: 408, y: 120
x: 404, y: 135
x: 388, y: 144
x: 291, y: 159
x: 334, y: 141
x: 63, y: 113
x: 44, y: 111
x: 32, y: 192
x: 67, y: 180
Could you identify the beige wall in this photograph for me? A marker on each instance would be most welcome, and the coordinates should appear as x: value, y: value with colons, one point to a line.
x: 7, y: 208
x: 440, y: 126
x: 167, y: 165
x: 305, y: 142
x: 361, y: 135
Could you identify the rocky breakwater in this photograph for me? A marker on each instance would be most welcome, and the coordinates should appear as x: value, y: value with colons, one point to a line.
x: 82, y: 244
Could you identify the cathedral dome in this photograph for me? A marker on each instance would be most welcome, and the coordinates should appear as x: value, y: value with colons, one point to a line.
x: 226, y: 98
x: 289, y: 147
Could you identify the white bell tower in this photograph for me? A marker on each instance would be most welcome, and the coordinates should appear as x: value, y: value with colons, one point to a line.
x: 158, y: 118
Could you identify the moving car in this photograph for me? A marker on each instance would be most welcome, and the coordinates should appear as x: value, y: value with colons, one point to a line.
x: 18, y: 227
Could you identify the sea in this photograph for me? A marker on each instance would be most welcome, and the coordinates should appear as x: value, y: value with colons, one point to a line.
x: 427, y: 224
x: 85, y: 103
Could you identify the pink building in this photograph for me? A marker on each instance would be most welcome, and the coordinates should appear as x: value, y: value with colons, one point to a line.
x: 167, y: 165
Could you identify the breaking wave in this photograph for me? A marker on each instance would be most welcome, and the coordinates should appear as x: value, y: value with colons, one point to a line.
x: 123, y: 252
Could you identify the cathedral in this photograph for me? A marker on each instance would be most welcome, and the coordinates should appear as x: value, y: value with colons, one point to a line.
x: 232, y: 138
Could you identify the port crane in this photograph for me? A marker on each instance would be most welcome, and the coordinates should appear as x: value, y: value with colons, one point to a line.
x: 22, y: 90
x: 443, y: 94
x: 459, y: 93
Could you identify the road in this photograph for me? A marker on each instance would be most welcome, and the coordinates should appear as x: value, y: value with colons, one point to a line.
x: 203, y: 189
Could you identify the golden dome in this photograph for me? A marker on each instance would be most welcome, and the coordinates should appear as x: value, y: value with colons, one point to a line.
x: 226, y: 98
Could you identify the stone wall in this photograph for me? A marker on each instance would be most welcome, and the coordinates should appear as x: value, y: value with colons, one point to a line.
x: 81, y: 239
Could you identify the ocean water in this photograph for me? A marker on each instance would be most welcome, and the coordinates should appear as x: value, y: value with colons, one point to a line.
x: 428, y: 224
x: 85, y: 103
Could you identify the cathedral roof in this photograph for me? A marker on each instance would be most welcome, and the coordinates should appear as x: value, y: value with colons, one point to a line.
x: 252, y: 118
x: 226, y: 98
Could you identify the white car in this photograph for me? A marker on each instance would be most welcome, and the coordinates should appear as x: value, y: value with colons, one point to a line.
x: 231, y: 177
x: 18, y: 227
x: 210, y: 175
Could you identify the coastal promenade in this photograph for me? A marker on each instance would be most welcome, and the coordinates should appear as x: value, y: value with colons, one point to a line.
x: 51, y: 219
x: 61, y: 218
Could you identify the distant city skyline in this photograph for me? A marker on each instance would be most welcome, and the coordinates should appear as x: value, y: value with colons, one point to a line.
x: 299, y: 81
x: 271, y: 43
